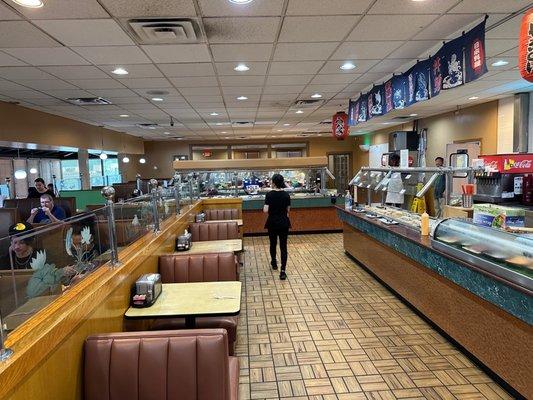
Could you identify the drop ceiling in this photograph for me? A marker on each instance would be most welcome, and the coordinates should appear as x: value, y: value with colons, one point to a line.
x: 294, y: 49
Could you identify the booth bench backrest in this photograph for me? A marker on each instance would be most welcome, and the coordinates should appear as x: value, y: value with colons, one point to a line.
x: 216, y: 231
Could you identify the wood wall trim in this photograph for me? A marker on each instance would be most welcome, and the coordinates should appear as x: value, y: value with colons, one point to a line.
x: 273, y: 163
x: 42, y: 334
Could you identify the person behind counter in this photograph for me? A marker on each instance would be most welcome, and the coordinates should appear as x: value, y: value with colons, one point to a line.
x: 440, y: 187
x: 39, y: 189
x: 47, y: 213
x: 277, y: 205
x: 395, y: 195
x: 21, y: 250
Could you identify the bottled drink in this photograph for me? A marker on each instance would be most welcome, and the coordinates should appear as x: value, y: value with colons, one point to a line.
x: 424, y: 224
x: 348, y: 201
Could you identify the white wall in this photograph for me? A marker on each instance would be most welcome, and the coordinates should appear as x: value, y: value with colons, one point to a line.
x: 505, y: 125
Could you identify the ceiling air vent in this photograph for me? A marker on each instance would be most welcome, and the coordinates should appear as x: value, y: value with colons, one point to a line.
x: 242, y: 123
x: 325, y: 122
x: 164, y: 30
x: 148, y: 126
x: 89, y: 101
x: 306, y: 103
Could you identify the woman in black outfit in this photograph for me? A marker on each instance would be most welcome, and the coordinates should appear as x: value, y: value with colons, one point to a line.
x: 277, y: 205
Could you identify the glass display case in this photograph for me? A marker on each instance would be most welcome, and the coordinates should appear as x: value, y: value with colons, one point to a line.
x: 506, y: 255
x: 393, y: 216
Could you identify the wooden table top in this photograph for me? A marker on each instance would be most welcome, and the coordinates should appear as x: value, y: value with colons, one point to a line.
x: 209, y: 247
x: 215, y: 221
x: 193, y: 299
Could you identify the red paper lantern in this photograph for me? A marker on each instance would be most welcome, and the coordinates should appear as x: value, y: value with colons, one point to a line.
x: 525, y: 47
x: 340, y: 128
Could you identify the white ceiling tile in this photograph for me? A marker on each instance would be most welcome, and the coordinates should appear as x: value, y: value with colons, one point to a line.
x: 413, y: 49
x: 245, y: 80
x: 68, y: 93
x: 490, y: 6
x: 325, y: 88
x: 228, y: 68
x: 508, y: 30
x: 330, y: 7
x: 288, y: 79
x: 14, y: 34
x: 187, y: 69
x: 7, y: 85
x: 97, y: 83
x: 47, y: 56
x: 295, y: 67
x: 8, y: 61
x: 304, y: 51
x: 241, y: 52
x: 115, y: 55
x: 178, y: 53
x: 17, y: 73
x: 510, y: 53
x: 333, y: 67
x: 75, y: 72
x: 316, y: 29
x: 411, y: 7
x: 241, y: 90
x: 204, y: 99
x: 334, y: 78
x: 114, y: 92
x: 64, y: 9
x: 447, y: 25
x: 379, y: 27
x: 218, y: 8
x: 371, y: 77
x: 194, y: 81
x: 365, y: 50
x: 241, y: 30
x: 135, y: 71
x: 283, y: 89
x: 498, y: 46
x: 7, y: 14
x: 47, y: 84
x: 387, y: 66
x: 23, y: 94
x: 150, y: 8
x: 89, y: 32
x: 200, y: 91
x: 145, y: 83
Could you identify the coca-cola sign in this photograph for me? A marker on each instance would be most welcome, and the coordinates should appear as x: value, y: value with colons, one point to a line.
x: 510, y: 163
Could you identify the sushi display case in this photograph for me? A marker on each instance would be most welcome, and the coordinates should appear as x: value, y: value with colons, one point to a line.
x: 503, y: 254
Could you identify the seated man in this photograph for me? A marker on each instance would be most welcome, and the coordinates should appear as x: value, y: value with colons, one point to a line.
x: 47, y: 213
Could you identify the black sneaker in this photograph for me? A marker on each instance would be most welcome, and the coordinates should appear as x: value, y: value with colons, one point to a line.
x: 282, y: 275
x: 274, y: 265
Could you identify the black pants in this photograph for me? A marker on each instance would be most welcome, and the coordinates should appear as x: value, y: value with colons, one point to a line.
x: 273, y: 235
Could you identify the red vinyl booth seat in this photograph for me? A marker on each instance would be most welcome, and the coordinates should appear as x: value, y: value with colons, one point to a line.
x: 163, y: 365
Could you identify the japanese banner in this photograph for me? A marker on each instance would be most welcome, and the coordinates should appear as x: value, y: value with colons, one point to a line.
x: 475, y: 54
x: 452, y: 63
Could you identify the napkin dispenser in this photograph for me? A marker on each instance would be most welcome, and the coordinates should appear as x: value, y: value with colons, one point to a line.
x: 184, y: 242
x: 200, y: 217
x: 146, y: 290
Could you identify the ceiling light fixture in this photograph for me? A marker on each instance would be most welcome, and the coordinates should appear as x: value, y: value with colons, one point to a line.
x: 120, y: 71
x: 214, y: 114
x: 166, y: 133
x: 29, y: 3
x: 157, y: 99
x: 223, y: 132
x: 240, y: 1
x: 299, y: 112
x: 126, y: 160
x: 385, y: 123
x: 33, y: 170
x: 286, y: 124
x: 500, y: 63
x: 347, y: 66
x: 142, y: 160
x: 242, y: 68
x: 123, y: 115
x: 242, y: 98
x: 473, y: 98
x: 103, y: 156
x: 316, y: 96
x: 413, y: 115
x: 20, y: 174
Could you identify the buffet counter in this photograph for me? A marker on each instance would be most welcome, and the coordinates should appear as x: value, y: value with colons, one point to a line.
x: 487, y: 314
x: 309, y: 213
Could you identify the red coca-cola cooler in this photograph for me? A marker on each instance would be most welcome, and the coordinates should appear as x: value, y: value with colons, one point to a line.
x: 506, y: 178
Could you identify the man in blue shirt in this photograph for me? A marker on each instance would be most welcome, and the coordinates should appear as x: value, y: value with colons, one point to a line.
x: 47, y: 213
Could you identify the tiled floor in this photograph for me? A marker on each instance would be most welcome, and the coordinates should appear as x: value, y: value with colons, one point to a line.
x: 333, y: 332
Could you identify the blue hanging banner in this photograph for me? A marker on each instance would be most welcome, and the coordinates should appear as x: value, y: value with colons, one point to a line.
x: 410, y: 79
x: 388, y: 90
x: 421, y: 80
x: 363, y: 108
x: 452, y: 63
x: 436, y: 74
x: 353, y: 112
x: 475, y: 55
x: 376, y: 99
x: 399, y: 92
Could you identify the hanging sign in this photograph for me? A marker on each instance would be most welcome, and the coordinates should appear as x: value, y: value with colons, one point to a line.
x: 207, y: 153
x: 452, y: 63
x: 399, y: 92
x: 525, y: 47
x: 376, y: 98
x: 388, y: 90
x: 340, y: 128
x: 475, y: 55
x: 421, y: 80
x: 436, y: 74
x: 353, y: 112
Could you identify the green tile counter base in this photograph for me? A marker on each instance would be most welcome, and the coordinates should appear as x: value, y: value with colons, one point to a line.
x: 514, y: 302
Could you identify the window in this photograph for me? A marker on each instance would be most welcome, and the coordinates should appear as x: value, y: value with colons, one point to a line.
x: 104, y: 172
x: 70, y: 173
x: 111, y: 171
x: 95, y: 172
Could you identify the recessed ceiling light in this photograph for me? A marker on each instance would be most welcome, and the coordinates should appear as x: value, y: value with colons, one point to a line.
x: 413, y: 115
x: 242, y: 68
x: 280, y: 130
x: 142, y: 160
x: 214, y: 114
x: 223, y: 132
x: 120, y: 71
x: 157, y: 99
x: 316, y: 96
x: 219, y: 123
x: 103, y: 156
x: 240, y: 1
x: 126, y: 160
x: 33, y: 170
x: 242, y: 98
x: 286, y: 124
x: 299, y: 112
x: 123, y: 115
x: 29, y: 3
x: 347, y: 66
x: 166, y: 133
x: 227, y: 137
x: 473, y: 98
x: 500, y: 63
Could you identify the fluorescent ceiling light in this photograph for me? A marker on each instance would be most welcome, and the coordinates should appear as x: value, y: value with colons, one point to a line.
x: 286, y: 124
x: 316, y: 96
x: 29, y: 3
x: 280, y: 130
x: 103, y: 156
x: 347, y: 66
x: 242, y: 98
x: 223, y: 132
x: 33, y: 170
x: 214, y: 114
x: 299, y: 112
x: 142, y: 160
x: 413, y: 115
x: 166, y: 133
x: 123, y: 115
x: 240, y: 1
x: 126, y: 160
x: 242, y: 68
x: 157, y: 99
x: 500, y: 63
x: 120, y: 71
x: 473, y: 98
x: 20, y: 174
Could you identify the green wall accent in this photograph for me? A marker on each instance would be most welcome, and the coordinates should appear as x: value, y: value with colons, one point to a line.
x: 84, y: 197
